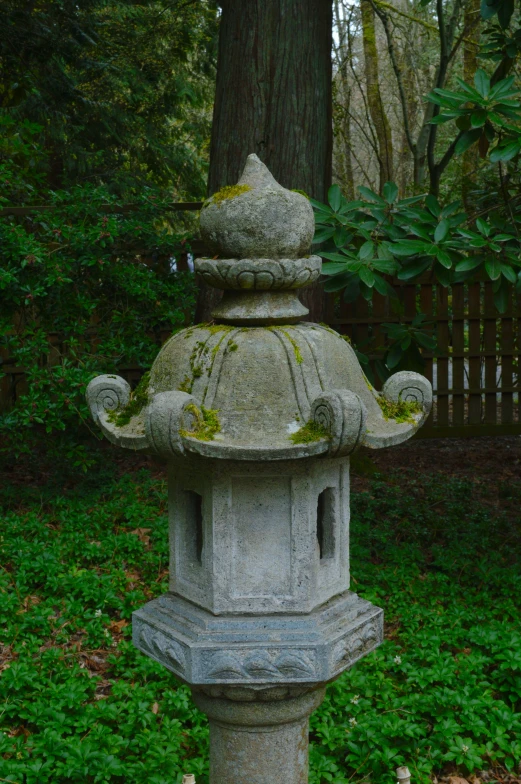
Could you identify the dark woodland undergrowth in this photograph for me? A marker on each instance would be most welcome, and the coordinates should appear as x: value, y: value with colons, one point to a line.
x: 440, y: 553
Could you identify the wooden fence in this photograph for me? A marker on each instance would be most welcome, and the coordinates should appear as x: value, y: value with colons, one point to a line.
x: 475, y: 371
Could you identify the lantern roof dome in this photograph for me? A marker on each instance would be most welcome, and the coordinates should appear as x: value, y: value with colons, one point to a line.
x: 259, y: 383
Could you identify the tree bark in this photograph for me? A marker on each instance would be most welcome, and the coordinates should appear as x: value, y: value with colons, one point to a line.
x: 470, y: 65
x: 374, y: 96
x: 273, y: 98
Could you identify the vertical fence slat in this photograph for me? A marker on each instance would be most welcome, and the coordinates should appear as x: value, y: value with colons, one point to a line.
x: 507, y: 363
x: 489, y: 342
x: 474, y: 352
x: 458, y: 347
x: 442, y: 364
x: 426, y: 292
x: 380, y: 304
x: 517, y: 370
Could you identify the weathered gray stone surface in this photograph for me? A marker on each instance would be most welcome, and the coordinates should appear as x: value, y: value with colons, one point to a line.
x: 259, y: 741
x: 244, y: 650
x: 258, y: 549
x: 267, y: 221
x: 259, y: 274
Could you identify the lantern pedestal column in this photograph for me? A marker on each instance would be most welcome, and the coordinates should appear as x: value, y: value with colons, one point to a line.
x: 259, y: 737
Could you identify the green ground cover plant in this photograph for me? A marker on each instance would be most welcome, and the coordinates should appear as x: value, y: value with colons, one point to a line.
x: 79, y: 704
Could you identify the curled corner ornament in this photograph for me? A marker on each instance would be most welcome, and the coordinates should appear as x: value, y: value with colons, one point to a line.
x: 409, y: 387
x: 106, y: 393
x: 343, y: 415
x: 168, y: 416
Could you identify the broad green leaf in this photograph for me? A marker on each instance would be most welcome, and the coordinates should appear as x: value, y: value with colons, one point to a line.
x: 367, y: 276
x: 482, y: 83
x: 371, y: 196
x: 433, y: 205
x: 468, y: 264
x: 466, y: 140
x: 444, y: 258
x: 501, y: 297
x: 493, y: 268
x: 334, y: 197
x: 442, y: 230
x: 321, y: 235
x: 508, y: 273
x: 390, y: 192
x: 483, y: 227
x: 505, y: 153
x: 501, y: 88
x: 366, y: 251
x: 394, y: 355
x: 337, y: 282
x: 408, y: 247
x: 333, y: 268
x: 478, y: 118
x: 381, y: 285
x: 413, y: 270
x: 335, y: 256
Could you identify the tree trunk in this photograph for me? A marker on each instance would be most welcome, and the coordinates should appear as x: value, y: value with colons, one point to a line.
x: 470, y: 65
x: 273, y: 98
x: 374, y: 97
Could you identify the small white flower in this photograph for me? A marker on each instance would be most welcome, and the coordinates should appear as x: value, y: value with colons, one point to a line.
x: 352, y: 721
x: 465, y: 748
x: 107, y: 634
x: 355, y: 699
x: 97, y: 614
x: 397, y: 659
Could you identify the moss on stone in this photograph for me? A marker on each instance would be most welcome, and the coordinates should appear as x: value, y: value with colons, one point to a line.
x: 122, y: 415
x: 227, y: 193
x: 186, y: 385
x: 310, y: 432
x: 206, y: 423
x: 401, y: 412
x: 302, y: 193
x: 295, y: 346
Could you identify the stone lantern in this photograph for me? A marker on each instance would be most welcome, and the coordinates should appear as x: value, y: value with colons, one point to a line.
x: 256, y: 415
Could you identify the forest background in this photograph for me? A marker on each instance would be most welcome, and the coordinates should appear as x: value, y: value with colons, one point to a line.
x: 110, y: 103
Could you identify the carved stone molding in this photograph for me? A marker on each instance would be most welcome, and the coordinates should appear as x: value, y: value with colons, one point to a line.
x: 409, y: 387
x: 106, y: 393
x: 259, y: 274
x: 168, y: 416
x: 261, y: 665
x: 343, y: 415
x: 239, y: 650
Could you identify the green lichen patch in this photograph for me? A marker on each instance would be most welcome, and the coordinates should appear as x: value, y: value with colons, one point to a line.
x: 310, y: 432
x: 138, y: 400
x: 206, y: 423
x: 227, y: 193
x: 302, y: 193
x: 402, y: 411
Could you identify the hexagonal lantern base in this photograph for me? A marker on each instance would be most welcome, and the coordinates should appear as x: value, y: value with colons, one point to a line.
x: 202, y: 648
x: 259, y: 537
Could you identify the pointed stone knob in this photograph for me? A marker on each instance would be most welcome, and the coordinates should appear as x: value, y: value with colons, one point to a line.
x: 257, y: 218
